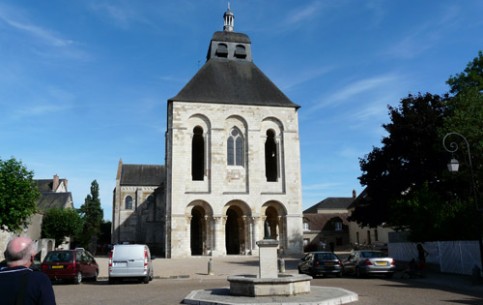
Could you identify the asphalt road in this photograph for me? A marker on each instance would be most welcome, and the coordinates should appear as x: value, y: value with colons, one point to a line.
x: 172, y: 291
x: 175, y: 279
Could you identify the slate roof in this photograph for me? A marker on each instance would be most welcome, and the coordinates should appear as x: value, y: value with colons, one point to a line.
x: 142, y: 174
x: 228, y: 36
x: 331, y: 203
x: 227, y: 81
x: 45, y: 185
x: 318, y: 221
x: 49, y: 200
x: 232, y: 81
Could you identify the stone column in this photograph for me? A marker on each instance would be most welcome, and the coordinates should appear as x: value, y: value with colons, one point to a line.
x: 187, y: 241
x: 268, y: 258
x: 254, y: 231
x: 209, y: 235
x: 218, y: 236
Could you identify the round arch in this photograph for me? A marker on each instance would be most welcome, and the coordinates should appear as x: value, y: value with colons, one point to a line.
x: 274, y: 214
x: 199, y: 213
x: 237, y: 239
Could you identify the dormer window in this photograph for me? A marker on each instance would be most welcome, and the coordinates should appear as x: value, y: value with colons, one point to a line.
x: 240, y: 51
x: 222, y: 50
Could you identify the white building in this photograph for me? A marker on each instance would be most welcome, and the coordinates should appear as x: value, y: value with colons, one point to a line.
x: 232, y: 159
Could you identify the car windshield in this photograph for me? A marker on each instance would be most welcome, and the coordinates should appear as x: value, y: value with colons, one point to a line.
x: 61, y: 257
x: 372, y: 254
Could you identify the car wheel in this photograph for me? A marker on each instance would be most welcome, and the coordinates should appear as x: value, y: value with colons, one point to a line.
x: 339, y: 274
x: 358, y: 272
x: 78, y: 278
x: 145, y: 280
x: 300, y: 271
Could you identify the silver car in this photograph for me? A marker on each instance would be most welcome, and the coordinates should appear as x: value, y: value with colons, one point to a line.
x: 369, y: 262
x: 128, y: 261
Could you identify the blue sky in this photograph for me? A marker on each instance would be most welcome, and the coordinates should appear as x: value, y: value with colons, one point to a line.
x: 84, y: 84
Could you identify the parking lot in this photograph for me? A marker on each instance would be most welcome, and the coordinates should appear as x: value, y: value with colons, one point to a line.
x: 176, y: 278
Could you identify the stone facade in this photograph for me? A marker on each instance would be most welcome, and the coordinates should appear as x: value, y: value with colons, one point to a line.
x: 139, y: 206
x: 233, y: 200
x: 232, y: 173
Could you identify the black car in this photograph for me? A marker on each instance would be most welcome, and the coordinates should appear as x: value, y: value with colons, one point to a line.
x: 320, y: 263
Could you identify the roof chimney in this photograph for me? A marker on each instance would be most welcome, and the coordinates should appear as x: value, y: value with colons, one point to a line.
x: 55, y: 183
x: 354, y: 194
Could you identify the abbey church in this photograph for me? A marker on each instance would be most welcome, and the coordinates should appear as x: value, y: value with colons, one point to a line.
x: 232, y: 173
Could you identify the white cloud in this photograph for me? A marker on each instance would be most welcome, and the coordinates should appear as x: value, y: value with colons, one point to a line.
x: 427, y: 35
x: 303, y: 14
x: 121, y: 15
x: 43, y: 35
x: 355, y: 89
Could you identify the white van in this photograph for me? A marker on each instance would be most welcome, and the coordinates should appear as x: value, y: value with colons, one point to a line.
x: 130, y: 262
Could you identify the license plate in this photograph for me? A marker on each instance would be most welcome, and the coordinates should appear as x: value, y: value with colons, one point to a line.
x: 120, y: 264
x: 380, y: 263
x: 329, y: 263
x: 58, y: 267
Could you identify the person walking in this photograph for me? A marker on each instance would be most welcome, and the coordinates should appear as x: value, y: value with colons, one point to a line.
x: 422, y: 253
x: 19, y: 283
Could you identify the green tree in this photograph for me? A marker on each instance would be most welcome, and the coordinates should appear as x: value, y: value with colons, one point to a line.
x: 18, y: 195
x: 409, y: 158
x: 105, y: 235
x: 466, y: 117
x: 407, y: 182
x: 61, y: 223
x: 92, y: 214
x: 469, y: 80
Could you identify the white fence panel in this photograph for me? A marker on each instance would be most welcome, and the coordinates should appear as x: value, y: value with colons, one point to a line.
x: 448, y: 256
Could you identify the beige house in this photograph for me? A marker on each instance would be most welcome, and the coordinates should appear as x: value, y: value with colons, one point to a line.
x: 53, y: 194
x: 232, y: 173
x: 326, y: 226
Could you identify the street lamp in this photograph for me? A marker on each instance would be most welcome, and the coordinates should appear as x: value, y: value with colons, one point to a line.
x: 453, y: 166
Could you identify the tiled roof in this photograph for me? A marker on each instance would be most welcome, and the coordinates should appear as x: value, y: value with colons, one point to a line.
x: 225, y: 81
x: 45, y: 185
x: 142, y: 174
x: 318, y: 221
x: 331, y: 203
x: 49, y: 200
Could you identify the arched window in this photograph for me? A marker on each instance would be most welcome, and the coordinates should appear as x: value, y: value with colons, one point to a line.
x: 240, y: 51
x: 235, y: 148
x: 271, y: 157
x: 222, y: 50
x: 128, y: 203
x: 197, y: 154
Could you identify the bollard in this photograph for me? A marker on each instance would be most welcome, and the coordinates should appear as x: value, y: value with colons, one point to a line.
x: 210, y: 266
x: 281, y: 265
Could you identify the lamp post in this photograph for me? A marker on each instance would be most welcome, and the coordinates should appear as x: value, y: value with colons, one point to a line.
x: 453, y: 166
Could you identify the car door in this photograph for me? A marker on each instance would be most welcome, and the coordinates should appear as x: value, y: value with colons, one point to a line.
x: 90, y: 267
x: 349, y: 264
x: 306, y: 264
x: 80, y: 262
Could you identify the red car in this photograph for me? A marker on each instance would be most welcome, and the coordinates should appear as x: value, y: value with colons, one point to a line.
x: 73, y: 265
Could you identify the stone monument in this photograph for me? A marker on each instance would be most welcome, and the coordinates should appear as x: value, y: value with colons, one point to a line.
x: 269, y: 281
